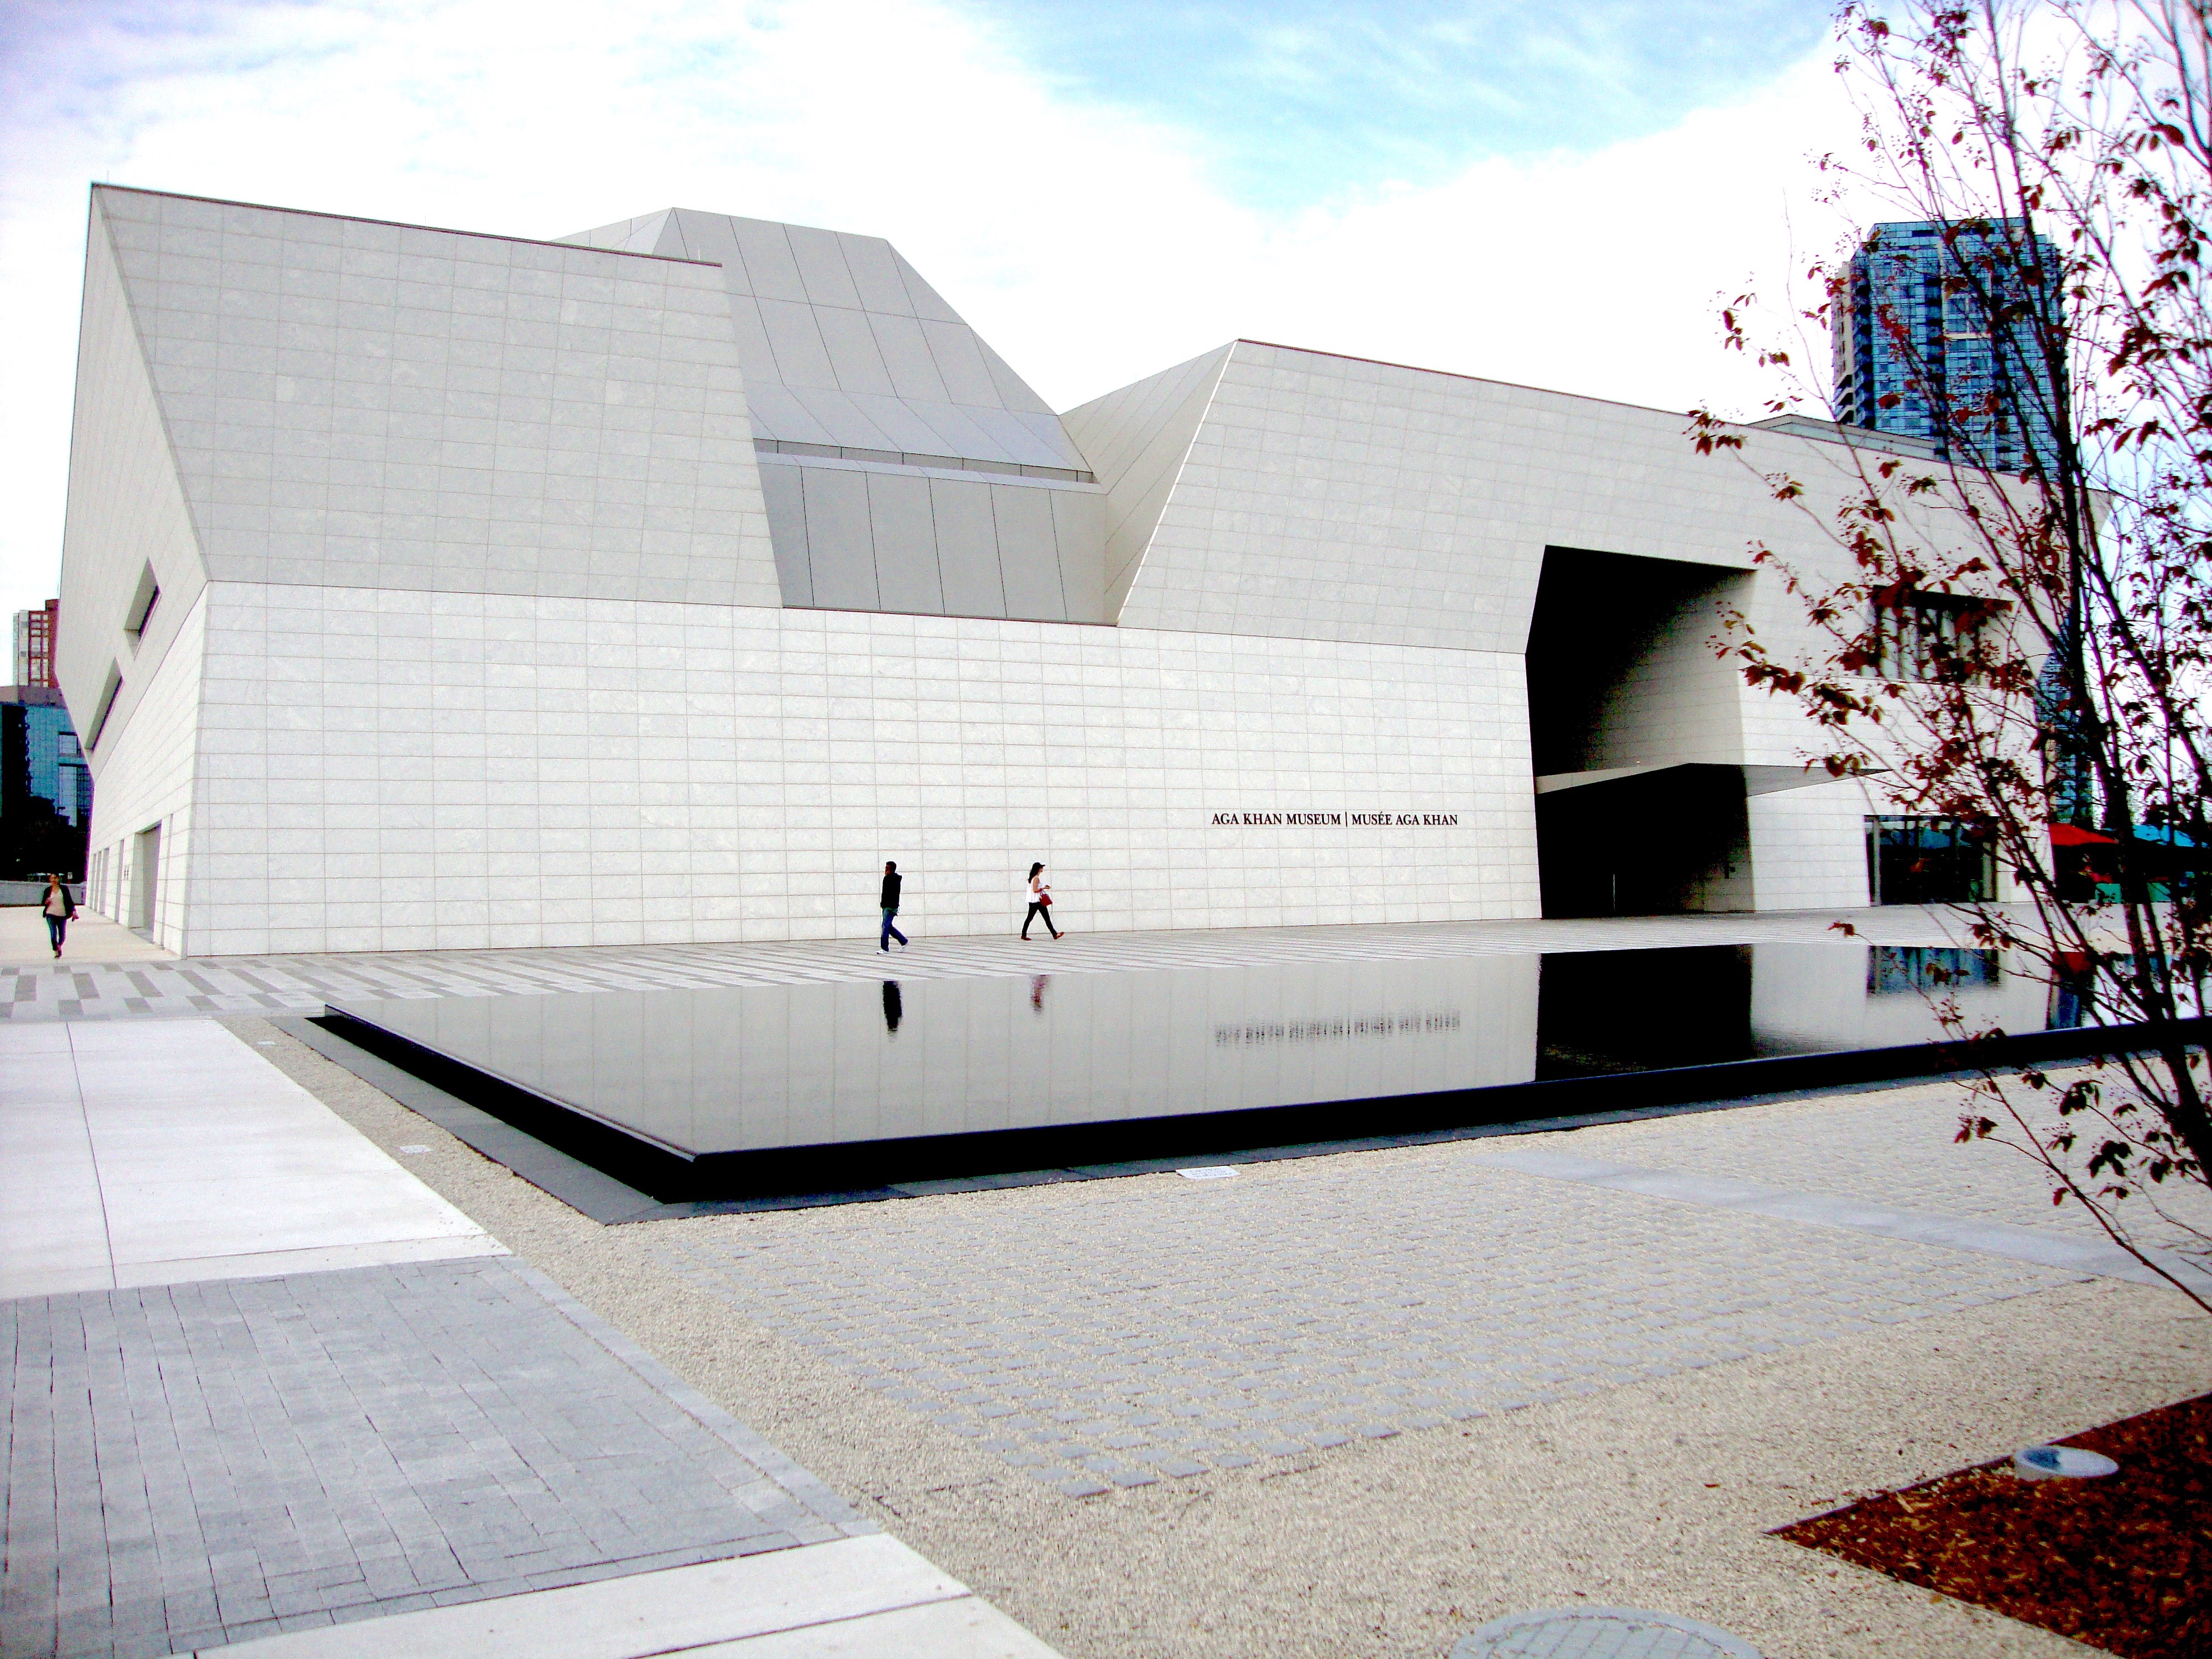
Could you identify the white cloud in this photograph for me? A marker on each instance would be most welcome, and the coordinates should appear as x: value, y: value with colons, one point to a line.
x: 1087, y: 243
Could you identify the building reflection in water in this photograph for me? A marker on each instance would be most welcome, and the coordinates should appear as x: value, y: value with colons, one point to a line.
x: 740, y: 1068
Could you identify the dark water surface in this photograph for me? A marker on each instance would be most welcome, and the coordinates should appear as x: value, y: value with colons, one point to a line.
x: 914, y: 1078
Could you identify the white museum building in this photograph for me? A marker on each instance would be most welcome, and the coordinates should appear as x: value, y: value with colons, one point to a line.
x: 426, y: 589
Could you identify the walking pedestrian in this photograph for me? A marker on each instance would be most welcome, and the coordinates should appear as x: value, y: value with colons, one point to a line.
x: 60, y: 909
x: 1040, y: 898
x: 890, y: 902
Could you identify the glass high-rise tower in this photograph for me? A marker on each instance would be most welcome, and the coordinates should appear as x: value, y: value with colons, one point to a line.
x: 1932, y: 339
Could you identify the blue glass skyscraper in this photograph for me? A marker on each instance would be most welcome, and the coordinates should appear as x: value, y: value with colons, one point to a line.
x: 46, y: 789
x: 1934, y: 337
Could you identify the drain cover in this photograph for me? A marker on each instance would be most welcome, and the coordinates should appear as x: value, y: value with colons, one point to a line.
x: 2061, y: 1463
x: 1599, y: 1633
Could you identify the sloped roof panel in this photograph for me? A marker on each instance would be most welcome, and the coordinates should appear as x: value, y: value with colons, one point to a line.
x: 958, y: 356
x: 820, y: 256
x: 779, y: 415
x: 854, y: 358
x: 1049, y: 431
x: 1022, y: 440
x: 843, y: 418
x: 928, y: 304
x: 844, y: 346
x: 1137, y: 438
x: 640, y: 235
x: 819, y: 309
x: 802, y: 358
x: 875, y: 271
x: 755, y: 355
x: 769, y: 269
x: 694, y: 236
x: 908, y: 430
x: 1013, y: 391
x: 906, y: 355
x: 961, y: 436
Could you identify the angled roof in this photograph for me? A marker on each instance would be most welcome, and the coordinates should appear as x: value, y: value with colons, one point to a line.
x: 842, y: 343
x: 1138, y: 438
x: 330, y: 419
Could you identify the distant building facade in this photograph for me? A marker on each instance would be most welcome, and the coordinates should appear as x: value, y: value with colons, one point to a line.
x: 34, y: 644
x: 426, y: 589
x: 1915, y: 352
x: 46, y: 786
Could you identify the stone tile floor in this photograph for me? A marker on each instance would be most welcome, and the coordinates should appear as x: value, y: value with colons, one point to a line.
x: 80, y: 988
x: 1858, y: 1153
x: 24, y: 942
x: 1118, y: 1332
x: 201, y: 1463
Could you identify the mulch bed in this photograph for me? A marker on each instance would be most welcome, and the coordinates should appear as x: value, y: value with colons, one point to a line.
x: 2124, y: 1564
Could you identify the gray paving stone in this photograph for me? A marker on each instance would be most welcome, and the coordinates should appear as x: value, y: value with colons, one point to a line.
x: 1307, y: 1308
x: 197, y: 1464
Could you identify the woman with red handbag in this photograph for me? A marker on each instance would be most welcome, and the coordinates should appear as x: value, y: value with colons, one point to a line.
x: 1040, y: 898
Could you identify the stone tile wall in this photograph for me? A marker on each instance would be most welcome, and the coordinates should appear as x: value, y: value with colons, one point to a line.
x: 364, y: 404
x: 389, y: 770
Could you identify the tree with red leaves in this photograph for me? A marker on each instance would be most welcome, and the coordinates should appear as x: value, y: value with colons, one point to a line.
x: 2026, y: 648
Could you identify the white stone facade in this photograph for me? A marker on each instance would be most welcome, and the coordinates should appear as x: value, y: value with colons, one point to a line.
x: 656, y: 586
x: 395, y: 770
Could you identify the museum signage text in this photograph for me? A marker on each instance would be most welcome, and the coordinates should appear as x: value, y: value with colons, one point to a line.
x: 1265, y: 820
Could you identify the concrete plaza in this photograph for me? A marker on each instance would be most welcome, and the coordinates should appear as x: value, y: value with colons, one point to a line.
x: 290, y: 1363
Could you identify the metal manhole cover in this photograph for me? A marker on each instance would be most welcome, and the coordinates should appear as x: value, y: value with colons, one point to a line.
x: 1599, y: 1633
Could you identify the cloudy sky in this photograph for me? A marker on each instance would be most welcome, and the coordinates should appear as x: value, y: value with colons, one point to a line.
x: 1547, y: 194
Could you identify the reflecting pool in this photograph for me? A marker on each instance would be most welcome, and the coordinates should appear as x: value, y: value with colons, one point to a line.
x: 738, y: 1071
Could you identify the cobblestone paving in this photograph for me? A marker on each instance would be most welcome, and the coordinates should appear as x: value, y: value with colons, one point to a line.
x: 302, y: 984
x: 1154, y: 1327
x: 1896, y: 1148
x: 196, y: 1464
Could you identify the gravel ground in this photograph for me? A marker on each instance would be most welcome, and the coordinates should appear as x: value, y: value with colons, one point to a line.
x: 1658, y: 1493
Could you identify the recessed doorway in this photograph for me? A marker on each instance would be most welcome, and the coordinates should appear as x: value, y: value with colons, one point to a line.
x: 1667, y: 843
x: 1635, y: 737
x: 145, y: 874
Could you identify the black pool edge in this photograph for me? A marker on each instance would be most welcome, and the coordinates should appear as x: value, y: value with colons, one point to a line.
x: 612, y: 1176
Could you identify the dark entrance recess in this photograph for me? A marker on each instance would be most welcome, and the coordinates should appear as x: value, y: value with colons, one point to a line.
x: 1661, y: 843
x: 1622, y: 679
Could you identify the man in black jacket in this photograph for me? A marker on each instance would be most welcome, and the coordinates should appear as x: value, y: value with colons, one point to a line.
x: 891, y: 909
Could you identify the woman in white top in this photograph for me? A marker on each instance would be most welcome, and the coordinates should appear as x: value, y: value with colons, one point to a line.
x: 59, y: 909
x: 1040, y: 898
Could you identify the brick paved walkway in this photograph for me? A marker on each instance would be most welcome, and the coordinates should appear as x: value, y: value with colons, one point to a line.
x: 1121, y: 1332
x: 196, y: 1464
x: 1856, y: 1152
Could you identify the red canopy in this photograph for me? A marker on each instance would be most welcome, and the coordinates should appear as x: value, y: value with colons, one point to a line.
x: 2067, y: 834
